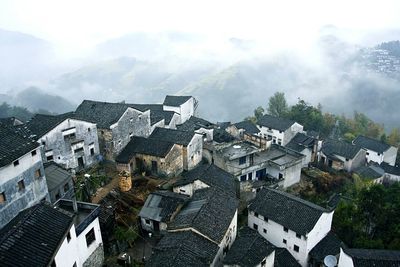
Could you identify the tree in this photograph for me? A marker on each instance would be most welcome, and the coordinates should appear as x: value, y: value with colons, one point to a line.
x: 307, y: 115
x: 277, y: 105
x: 258, y: 112
x: 394, y: 137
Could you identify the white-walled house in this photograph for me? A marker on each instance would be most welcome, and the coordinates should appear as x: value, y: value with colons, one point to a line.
x: 281, y: 130
x: 70, y: 240
x: 377, y: 151
x: 185, y: 106
x: 368, y: 257
x: 22, y: 178
x: 289, y: 222
x: 70, y: 142
x: 305, y: 145
x: 340, y: 155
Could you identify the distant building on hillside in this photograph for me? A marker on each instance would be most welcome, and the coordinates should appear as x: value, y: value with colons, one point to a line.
x: 377, y: 151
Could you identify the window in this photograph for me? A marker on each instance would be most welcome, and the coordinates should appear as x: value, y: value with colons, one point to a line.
x: 280, y: 176
x: 250, y: 176
x: 242, y: 160
x: 154, y: 166
x: 266, y: 219
x: 33, y: 153
x: 243, y: 178
x: 255, y: 226
x: 347, y: 159
x: 90, y: 237
x: 285, y: 229
x: 50, y: 158
x: 2, y: 198
x: 68, y: 237
x: 21, y: 185
x: 367, y: 153
x: 16, y: 163
x: 256, y: 214
x: 296, y: 248
x: 182, y: 190
x: 43, y: 143
x: 38, y: 174
x: 69, y: 136
x: 265, y: 231
x: 58, y: 195
x: 298, y: 235
x: 92, y: 151
x: 88, y: 129
x: 379, y: 154
x: 78, y: 150
x: 147, y: 221
x: 66, y: 187
x: 284, y: 241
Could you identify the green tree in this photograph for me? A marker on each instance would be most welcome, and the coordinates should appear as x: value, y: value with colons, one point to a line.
x: 307, y: 115
x: 394, y: 137
x: 277, y: 105
x: 258, y: 112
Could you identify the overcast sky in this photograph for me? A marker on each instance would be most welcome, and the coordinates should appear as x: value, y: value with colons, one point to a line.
x: 82, y: 23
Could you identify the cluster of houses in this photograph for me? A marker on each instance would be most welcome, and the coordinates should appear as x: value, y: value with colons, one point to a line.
x: 198, y: 217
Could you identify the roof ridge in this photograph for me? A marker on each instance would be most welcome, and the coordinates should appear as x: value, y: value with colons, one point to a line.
x: 298, y: 199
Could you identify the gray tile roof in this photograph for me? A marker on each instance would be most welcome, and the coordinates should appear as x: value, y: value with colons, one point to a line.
x: 283, y: 258
x: 41, y: 124
x: 160, y: 205
x: 194, y: 124
x: 210, y: 211
x: 371, y: 144
x: 210, y: 175
x: 333, y: 147
x: 172, y: 136
x: 287, y: 210
x: 10, y: 121
x: 329, y: 245
x: 221, y: 136
x: 301, y: 141
x: 281, y: 124
x: 370, y: 172
x: 156, y: 112
x: 175, y: 101
x: 55, y: 175
x: 248, y: 126
x: 395, y: 170
x: 33, y: 236
x: 14, y: 145
x: 249, y: 249
x: 182, y: 249
x: 104, y: 114
x: 374, y: 257
x: 142, y: 145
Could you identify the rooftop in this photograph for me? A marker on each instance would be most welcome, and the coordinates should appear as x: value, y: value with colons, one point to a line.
x: 237, y: 150
x: 249, y: 249
x: 248, y: 126
x: 172, y: 136
x: 374, y: 257
x: 287, y: 210
x: 194, y: 124
x: 331, y: 148
x: 41, y: 124
x: 175, y: 101
x: 301, y: 141
x: 281, y: 124
x: 283, y: 258
x: 395, y: 170
x: 371, y: 144
x: 33, y: 236
x: 370, y: 172
x: 142, y: 145
x: 329, y: 245
x: 55, y: 175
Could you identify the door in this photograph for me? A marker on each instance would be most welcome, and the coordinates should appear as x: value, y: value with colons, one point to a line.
x: 81, y: 165
x: 156, y: 226
x: 154, y: 168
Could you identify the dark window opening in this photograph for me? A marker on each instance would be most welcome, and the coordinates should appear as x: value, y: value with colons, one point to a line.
x: 154, y: 166
x: 78, y: 150
x: 88, y: 129
x: 266, y: 219
x: 21, y: 185
x: 280, y: 176
x: 265, y: 231
x: 43, y: 143
x: 147, y: 221
x: 284, y: 241
x: 242, y: 160
x: 50, y: 158
x: 58, y: 195
x: 92, y: 151
x: 285, y: 229
x: 90, y: 237
x: 296, y: 248
x: 298, y: 235
x: 33, y: 153
x: 243, y: 178
x: 255, y: 226
x: 256, y: 214
x: 69, y: 136
x: 38, y: 174
x: 250, y: 176
x: 16, y: 163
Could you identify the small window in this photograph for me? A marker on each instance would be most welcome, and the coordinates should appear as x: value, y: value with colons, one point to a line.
x: 58, y: 195
x: 285, y: 229
x: 347, y: 159
x: 2, y: 198
x: 38, y: 174
x: 50, y: 158
x: 147, y: 221
x: 367, y: 153
x: 280, y: 176
x: 296, y: 248
x: 256, y: 214
x: 243, y: 178
x: 66, y: 187
x: 379, y: 154
x: 250, y: 176
x: 102, y: 132
x: 21, y: 185
x: 284, y: 241
x: 68, y: 237
x: 92, y: 151
x: 182, y: 190
x: 265, y: 231
x: 90, y: 237
x: 255, y: 226
x: 298, y: 235
x: 33, y: 153
x: 88, y: 129
x: 16, y: 163
x: 266, y: 219
x: 242, y: 160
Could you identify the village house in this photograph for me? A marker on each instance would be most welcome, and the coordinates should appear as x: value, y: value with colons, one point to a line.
x: 204, y: 176
x: 250, y: 249
x: 10, y: 121
x: 247, y: 162
x: 305, y: 145
x: 43, y: 235
x: 247, y: 131
x: 290, y: 222
x: 200, y: 126
x: 68, y: 141
x: 116, y: 124
x: 158, y: 116
x: 153, y: 156
x: 185, y: 106
x: 368, y: 257
x: 377, y: 151
x: 22, y: 178
x: 392, y: 173
x: 160, y: 209
x: 208, y: 222
x: 340, y: 155
x: 329, y: 247
x: 192, y: 144
x: 59, y: 181
x: 281, y: 130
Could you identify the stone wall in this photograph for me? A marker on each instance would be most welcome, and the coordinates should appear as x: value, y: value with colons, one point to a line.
x: 96, y: 258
